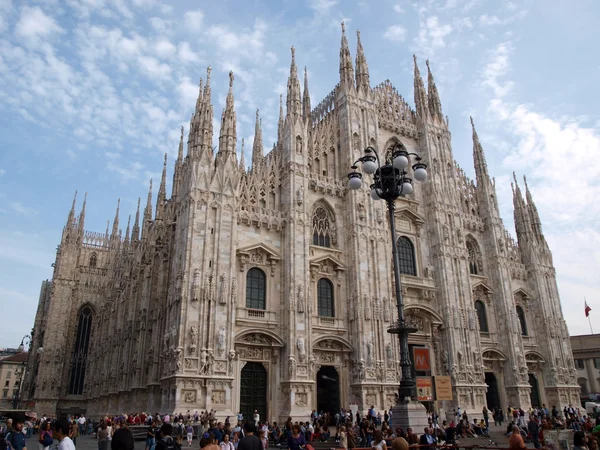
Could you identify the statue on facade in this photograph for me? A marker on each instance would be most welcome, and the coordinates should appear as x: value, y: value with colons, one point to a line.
x: 221, y: 340
x: 389, y: 352
x: 301, y: 349
x: 291, y: 367
x: 369, y: 353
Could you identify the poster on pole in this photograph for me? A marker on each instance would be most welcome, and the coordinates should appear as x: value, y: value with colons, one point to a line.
x: 443, y: 387
x: 421, y: 359
x: 424, y: 389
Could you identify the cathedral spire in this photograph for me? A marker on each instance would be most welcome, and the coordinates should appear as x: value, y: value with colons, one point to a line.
x: 127, y: 230
x: 228, y: 134
x: 135, y: 231
x: 420, y: 95
x: 242, y: 159
x: 346, y: 69
x: 148, y: 209
x: 306, y: 98
x: 536, y: 223
x: 479, y: 158
x: 281, y: 122
x: 201, y: 125
x: 293, y: 89
x: 435, y: 105
x: 257, y: 146
x: 521, y: 220
x: 162, y: 192
x: 200, y: 99
x: 115, y: 227
x: 71, y: 216
x: 363, y: 81
x: 81, y: 221
x: 178, y: 168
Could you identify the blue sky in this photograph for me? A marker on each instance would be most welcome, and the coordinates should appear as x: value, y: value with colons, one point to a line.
x: 93, y: 93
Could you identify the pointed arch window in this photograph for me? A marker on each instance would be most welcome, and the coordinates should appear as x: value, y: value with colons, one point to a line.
x: 256, y: 283
x: 481, y: 316
x: 325, y: 298
x: 93, y: 259
x: 322, y: 235
x: 521, y: 315
x: 82, y: 342
x: 406, y: 256
x: 475, y: 264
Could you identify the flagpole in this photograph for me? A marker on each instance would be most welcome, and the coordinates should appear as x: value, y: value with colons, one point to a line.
x: 588, y: 315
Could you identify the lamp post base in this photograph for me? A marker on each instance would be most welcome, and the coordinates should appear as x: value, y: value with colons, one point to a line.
x: 409, y: 415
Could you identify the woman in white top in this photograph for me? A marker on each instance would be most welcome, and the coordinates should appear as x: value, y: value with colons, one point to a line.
x: 378, y: 441
x: 343, y: 438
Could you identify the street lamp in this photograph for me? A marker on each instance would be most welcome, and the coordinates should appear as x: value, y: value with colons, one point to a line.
x: 391, y: 181
x: 21, y: 348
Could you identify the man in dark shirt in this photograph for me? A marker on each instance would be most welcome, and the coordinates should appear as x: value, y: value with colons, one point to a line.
x: 534, y: 430
x: 15, y: 437
x: 250, y: 441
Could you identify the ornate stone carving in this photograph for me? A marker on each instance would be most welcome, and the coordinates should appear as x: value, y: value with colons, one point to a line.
x: 256, y: 338
x: 218, y: 398
x: 300, y: 299
x: 415, y: 321
x: 301, y: 399
x: 189, y: 396
x: 251, y: 353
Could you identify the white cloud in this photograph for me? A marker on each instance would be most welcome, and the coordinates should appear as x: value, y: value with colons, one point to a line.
x: 395, y: 33
x: 193, y: 20
x: 165, y: 49
x: 161, y: 26
x: 487, y: 20
x: 541, y: 147
x: 34, y: 24
x: 130, y: 172
x: 399, y: 9
x: 322, y: 6
x: 186, y: 54
x: 432, y: 35
x: 19, y: 208
x: 2, y: 172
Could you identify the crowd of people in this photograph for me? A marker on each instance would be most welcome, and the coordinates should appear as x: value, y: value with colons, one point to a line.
x: 346, y: 429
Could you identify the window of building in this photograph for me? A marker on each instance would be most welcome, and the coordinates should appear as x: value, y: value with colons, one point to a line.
x: 522, y: 321
x: 5, y: 393
x: 321, y: 228
x: 475, y: 264
x: 579, y: 364
x: 7, y: 383
x: 256, y: 282
x: 325, y: 298
x: 8, y: 374
x: 597, y: 363
x: 93, y: 260
x: 82, y: 341
x: 406, y: 256
x: 482, y: 317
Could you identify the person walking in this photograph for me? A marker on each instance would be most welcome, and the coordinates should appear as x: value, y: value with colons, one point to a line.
x: 61, y: 432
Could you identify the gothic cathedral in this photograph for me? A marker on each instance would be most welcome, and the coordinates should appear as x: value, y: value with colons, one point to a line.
x: 271, y: 288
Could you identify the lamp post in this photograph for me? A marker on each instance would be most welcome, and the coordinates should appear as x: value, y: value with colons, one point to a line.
x: 391, y: 181
x: 21, y: 348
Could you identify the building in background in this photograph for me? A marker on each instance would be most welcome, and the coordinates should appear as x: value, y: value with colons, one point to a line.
x: 586, y: 354
x: 12, y: 371
x: 271, y: 288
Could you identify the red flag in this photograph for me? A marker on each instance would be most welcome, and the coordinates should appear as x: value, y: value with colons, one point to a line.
x: 587, y: 309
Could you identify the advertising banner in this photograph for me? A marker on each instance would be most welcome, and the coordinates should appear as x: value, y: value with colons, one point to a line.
x: 443, y: 388
x: 421, y: 359
x: 424, y: 389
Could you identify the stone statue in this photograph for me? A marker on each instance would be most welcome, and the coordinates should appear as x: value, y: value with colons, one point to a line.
x: 221, y: 340
x: 291, y: 367
x: 300, y: 195
x: 194, y: 332
x: 369, y: 353
x: 203, y: 367
x: 389, y: 352
x: 301, y: 349
x: 300, y: 299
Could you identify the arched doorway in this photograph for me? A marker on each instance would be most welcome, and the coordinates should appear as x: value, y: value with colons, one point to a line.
x: 328, y: 390
x: 253, y: 390
x: 492, y: 397
x: 534, y: 396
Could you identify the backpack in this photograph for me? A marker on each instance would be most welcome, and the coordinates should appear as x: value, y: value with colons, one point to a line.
x: 171, y: 444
